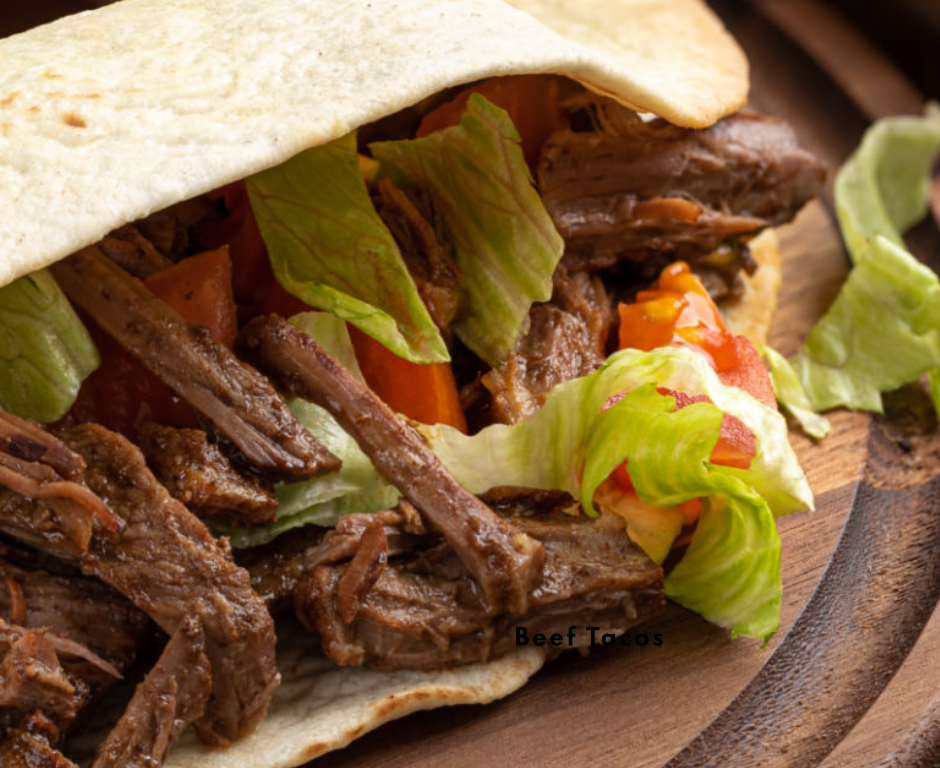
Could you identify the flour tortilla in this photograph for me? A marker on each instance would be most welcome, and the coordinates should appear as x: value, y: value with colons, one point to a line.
x: 110, y: 115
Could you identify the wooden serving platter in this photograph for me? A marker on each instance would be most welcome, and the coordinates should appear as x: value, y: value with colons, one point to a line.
x: 821, y: 693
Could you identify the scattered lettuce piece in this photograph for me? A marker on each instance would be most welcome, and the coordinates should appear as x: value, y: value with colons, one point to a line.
x: 45, y: 351
x: 883, y: 330
x: 790, y: 395
x: 356, y: 487
x: 329, y: 248
x: 505, y: 243
x: 573, y: 442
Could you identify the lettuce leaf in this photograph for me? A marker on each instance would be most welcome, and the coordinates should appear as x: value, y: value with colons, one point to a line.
x: 790, y: 395
x: 730, y: 574
x: 504, y: 240
x: 883, y: 330
x: 573, y: 442
x: 329, y: 248
x: 45, y: 351
x: 356, y: 487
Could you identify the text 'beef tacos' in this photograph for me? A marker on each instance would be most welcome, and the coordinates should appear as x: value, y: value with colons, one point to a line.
x: 397, y: 319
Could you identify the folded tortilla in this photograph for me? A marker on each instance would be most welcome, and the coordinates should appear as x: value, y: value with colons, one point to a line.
x: 110, y: 115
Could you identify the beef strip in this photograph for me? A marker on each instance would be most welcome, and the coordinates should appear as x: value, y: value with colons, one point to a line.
x: 133, y: 252
x: 43, y: 498
x: 35, y: 464
x: 81, y: 610
x: 424, y: 610
x: 167, y: 563
x: 505, y: 562
x: 278, y: 567
x: 629, y: 189
x: 30, y: 745
x: 173, y: 695
x: 31, y: 678
x: 567, y: 338
x: 235, y: 398
x: 427, y: 253
x: 197, y: 473
x: 169, y: 229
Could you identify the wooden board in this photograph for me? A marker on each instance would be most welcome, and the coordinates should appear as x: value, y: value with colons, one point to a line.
x: 639, y: 706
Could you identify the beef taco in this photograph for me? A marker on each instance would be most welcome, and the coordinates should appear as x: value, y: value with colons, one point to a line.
x: 397, y: 322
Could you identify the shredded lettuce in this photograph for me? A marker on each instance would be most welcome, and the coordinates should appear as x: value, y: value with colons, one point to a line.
x: 356, y: 487
x: 505, y: 243
x: 790, y: 395
x: 573, y: 442
x: 883, y: 330
x: 329, y: 248
x: 45, y: 351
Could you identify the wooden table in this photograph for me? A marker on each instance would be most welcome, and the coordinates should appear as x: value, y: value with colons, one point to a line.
x: 639, y: 706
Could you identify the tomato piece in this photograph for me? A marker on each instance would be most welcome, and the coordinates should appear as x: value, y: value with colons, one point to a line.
x: 121, y: 394
x: 200, y: 290
x: 741, y: 366
x: 531, y: 101
x: 736, y: 444
x: 253, y: 276
x: 679, y: 311
x: 425, y: 392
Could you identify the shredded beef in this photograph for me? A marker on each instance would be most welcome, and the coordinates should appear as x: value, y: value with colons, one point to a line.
x: 629, y: 189
x: 567, y: 338
x: 427, y: 253
x: 169, y: 229
x: 36, y: 465
x: 234, y: 397
x: 133, y: 252
x: 173, y: 695
x: 31, y: 679
x: 167, y: 563
x: 505, y: 562
x: 31, y: 745
x: 84, y: 611
x: 425, y: 611
x: 197, y: 473
x: 278, y: 568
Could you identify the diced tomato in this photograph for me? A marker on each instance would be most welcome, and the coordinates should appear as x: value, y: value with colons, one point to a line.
x: 531, y: 101
x: 680, y: 311
x: 121, y: 394
x: 742, y: 367
x: 425, y: 392
x: 253, y: 276
x: 200, y: 290
x: 736, y: 444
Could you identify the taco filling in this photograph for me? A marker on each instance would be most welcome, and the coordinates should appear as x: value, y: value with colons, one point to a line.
x: 458, y: 372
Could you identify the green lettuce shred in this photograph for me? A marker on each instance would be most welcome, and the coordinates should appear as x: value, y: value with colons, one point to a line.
x: 505, y: 243
x: 45, y: 350
x: 790, y: 395
x: 574, y: 441
x: 356, y: 487
x: 883, y: 330
x: 329, y: 248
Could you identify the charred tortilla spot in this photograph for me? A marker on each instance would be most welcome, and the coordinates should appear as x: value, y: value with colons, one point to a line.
x: 74, y: 120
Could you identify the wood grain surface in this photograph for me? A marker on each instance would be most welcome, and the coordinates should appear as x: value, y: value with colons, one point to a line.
x: 639, y: 706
